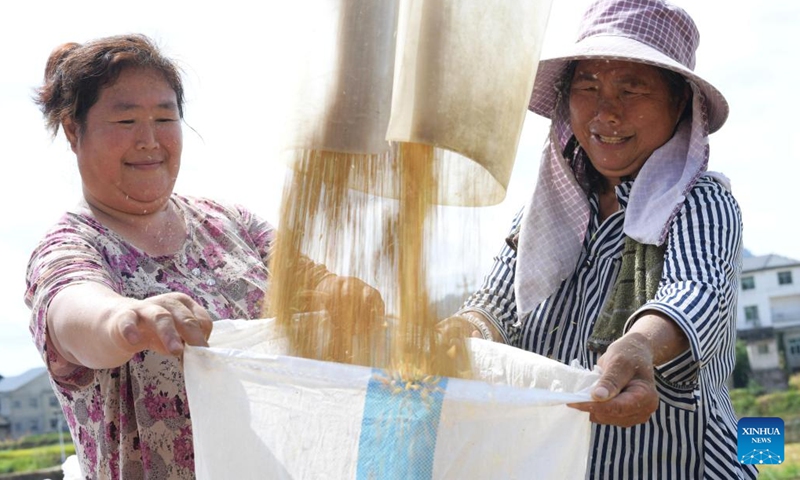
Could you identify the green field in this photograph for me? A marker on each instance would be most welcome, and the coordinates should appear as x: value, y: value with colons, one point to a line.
x: 785, y: 404
x: 788, y: 470
x: 36, y: 458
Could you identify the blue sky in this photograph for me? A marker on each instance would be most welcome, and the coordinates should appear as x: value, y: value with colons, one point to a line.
x: 234, y: 55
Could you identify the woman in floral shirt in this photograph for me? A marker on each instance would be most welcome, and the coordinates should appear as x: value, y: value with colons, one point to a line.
x: 135, y: 271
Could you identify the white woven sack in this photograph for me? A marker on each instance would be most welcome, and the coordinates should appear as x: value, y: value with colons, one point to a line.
x: 259, y: 414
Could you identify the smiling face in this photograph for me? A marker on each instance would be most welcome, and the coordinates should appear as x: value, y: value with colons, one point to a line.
x: 129, y: 147
x: 620, y: 113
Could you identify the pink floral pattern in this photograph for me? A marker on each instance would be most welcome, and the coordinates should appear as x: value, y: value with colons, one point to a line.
x: 133, y: 421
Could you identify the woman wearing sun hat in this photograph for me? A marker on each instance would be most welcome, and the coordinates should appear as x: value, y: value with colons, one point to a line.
x: 628, y: 254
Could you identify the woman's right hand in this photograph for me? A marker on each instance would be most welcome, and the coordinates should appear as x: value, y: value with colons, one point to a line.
x: 163, y: 323
x: 467, y: 324
x: 91, y: 325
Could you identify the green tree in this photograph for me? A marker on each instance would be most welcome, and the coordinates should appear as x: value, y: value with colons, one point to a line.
x: 741, y: 371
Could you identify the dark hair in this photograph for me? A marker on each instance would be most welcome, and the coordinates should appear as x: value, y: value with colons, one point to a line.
x: 75, y: 74
x: 588, y: 176
x: 677, y: 86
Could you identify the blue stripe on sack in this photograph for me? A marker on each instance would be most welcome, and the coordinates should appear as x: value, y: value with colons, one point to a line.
x: 398, y: 431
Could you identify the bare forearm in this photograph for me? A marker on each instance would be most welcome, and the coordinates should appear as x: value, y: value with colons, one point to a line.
x: 93, y: 326
x: 665, y: 339
x: 80, y: 327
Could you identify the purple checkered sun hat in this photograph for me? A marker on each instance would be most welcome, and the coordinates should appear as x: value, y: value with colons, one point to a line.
x: 652, y: 32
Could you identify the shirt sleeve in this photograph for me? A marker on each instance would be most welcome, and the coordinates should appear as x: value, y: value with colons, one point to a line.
x: 495, y: 299
x: 260, y: 232
x: 698, y: 290
x: 264, y: 236
x: 64, y: 257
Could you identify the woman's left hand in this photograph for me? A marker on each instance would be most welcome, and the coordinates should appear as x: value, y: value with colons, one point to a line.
x: 625, y: 394
x: 351, y: 295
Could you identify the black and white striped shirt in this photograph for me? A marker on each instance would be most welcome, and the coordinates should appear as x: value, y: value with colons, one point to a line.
x: 692, y: 435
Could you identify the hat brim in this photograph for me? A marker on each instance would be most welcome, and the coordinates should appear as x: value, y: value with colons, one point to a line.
x: 610, y: 47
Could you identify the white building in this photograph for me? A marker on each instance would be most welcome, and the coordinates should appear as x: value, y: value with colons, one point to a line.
x: 769, y: 314
x: 28, y: 405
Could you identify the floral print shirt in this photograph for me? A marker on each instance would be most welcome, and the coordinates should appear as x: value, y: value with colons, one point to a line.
x: 133, y: 421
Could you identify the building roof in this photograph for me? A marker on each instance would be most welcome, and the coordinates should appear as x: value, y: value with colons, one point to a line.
x: 9, y: 384
x: 767, y: 262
